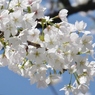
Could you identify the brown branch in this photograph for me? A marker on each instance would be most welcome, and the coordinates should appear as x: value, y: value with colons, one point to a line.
x: 33, y: 44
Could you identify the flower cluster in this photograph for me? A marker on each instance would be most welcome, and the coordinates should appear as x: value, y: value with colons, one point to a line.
x: 43, y: 55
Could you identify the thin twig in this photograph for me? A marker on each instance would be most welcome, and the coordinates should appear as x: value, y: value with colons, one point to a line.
x: 53, y: 90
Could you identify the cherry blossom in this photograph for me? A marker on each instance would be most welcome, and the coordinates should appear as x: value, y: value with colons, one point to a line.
x: 43, y: 55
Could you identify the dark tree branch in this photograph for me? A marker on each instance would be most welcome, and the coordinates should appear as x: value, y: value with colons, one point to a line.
x: 1, y: 34
x: 85, y: 7
x: 66, y: 3
x: 72, y: 10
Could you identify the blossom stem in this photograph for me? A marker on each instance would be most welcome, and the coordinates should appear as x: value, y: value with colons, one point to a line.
x: 70, y: 80
x: 76, y: 77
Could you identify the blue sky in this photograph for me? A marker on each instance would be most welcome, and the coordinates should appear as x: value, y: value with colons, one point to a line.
x: 13, y: 84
